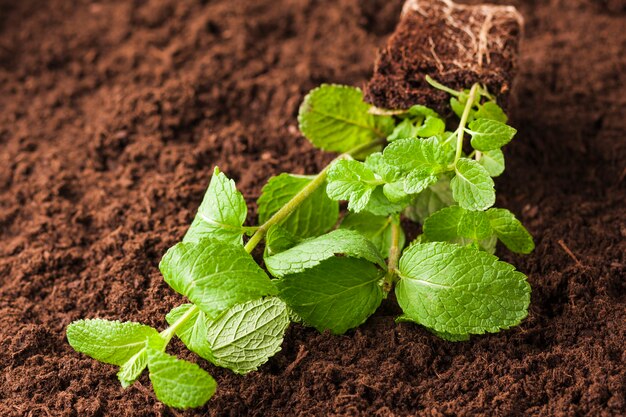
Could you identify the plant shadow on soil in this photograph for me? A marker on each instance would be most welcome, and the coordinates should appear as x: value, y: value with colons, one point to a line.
x: 114, y: 114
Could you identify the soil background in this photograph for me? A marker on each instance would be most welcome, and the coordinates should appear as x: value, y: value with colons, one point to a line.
x: 113, y: 114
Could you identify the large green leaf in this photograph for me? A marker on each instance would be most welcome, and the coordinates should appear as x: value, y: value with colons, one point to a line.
x: 337, y: 294
x: 488, y: 134
x: 214, y: 275
x: 248, y: 334
x: 460, y: 290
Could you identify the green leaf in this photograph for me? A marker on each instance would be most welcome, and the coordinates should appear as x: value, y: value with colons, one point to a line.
x: 457, y: 107
x: 404, y: 129
x: 316, y: 215
x: 221, y: 214
x: 111, y: 342
x: 491, y: 110
x: 178, y: 383
x: 432, y: 126
x: 451, y: 223
x: 489, y: 134
x: 420, y: 110
x: 433, y: 198
x: 418, y: 180
x: 460, y: 290
x: 335, y: 118
x: 510, y: 231
x: 309, y: 253
x: 193, y: 331
x: 395, y: 192
x: 214, y: 275
x: 376, y: 163
x: 443, y: 225
x: 380, y: 205
x: 411, y: 154
x: 472, y: 187
x: 248, y: 334
x: 493, y: 162
x: 353, y: 181
x: 132, y: 368
x: 375, y: 228
x: 337, y: 294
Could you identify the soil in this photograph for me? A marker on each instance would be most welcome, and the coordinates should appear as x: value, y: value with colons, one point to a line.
x: 113, y: 115
x: 456, y: 44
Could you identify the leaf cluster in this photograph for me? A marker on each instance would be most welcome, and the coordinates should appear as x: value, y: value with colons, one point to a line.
x: 332, y: 271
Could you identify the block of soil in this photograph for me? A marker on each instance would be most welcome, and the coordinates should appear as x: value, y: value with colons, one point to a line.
x: 455, y: 44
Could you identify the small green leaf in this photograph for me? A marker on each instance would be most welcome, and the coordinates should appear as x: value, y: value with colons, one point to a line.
x: 380, y: 205
x: 411, y: 154
x: 421, y: 110
x: 472, y: 187
x: 404, y: 129
x: 309, y: 253
x: 418, y: 180
x: 451, y: 223
x: 510, y: 231
x: 432, y: 126
x: 493, y: 162
x: 193, y: 331
x: 178, y: 383
x: 395, y: 191
x: 491, y: 110
x: 376, y: 228
x: 335, y: 118
x: 460, y: 290
x: 353, y: 181
x: 111, y: 342
x: 214, y: 275
x: 221, y: 213
x: 489, y: 134
x: 457, y: 107
x: 337, y: 294
x: 316, y: 215
x: 248, y: 334
x: 433, y: 198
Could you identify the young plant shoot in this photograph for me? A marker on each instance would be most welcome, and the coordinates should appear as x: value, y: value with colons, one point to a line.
x: 390, y: 164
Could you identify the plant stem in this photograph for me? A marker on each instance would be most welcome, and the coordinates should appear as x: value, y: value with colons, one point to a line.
x: 394, y: 256
x: 442, y: 87
x: 302, y: 195
x: 168, y: 333
x: 463, y: 122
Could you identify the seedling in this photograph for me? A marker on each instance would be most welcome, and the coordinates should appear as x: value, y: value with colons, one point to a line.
x: 333, y: 278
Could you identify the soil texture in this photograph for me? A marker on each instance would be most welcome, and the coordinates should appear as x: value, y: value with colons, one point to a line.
x: 113, y: 115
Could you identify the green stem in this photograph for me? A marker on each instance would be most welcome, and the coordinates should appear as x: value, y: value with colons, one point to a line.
x: 168, y: 333
x: 442, y: 87
x: 394, y: 256
x: 463, y: 122
x: 302, y: 195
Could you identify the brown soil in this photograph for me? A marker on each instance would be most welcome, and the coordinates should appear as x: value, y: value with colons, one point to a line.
x: 457, y: 44
x: 113, y: 115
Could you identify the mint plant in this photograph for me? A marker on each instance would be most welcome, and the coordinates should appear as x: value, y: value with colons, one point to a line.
x: 330, y: 274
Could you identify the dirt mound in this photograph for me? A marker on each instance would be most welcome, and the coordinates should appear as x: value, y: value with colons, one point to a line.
x: 113, y: 115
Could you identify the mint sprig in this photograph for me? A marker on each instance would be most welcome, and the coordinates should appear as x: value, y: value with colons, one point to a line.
x: 333, y: 274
